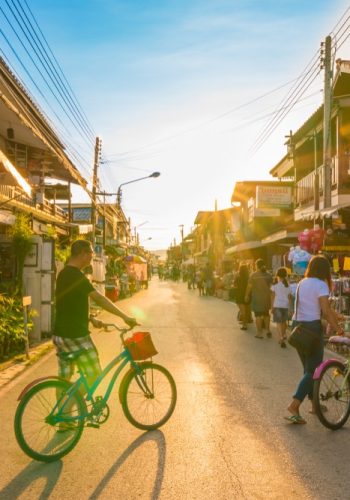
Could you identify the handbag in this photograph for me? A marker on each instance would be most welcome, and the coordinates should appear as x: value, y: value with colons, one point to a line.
x: 302, y: 338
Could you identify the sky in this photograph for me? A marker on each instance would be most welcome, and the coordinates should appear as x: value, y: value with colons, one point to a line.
x: 182, y: 87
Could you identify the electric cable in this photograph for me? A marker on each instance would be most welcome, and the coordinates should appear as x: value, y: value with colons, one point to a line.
x: 272, y: 125
x: 288, y: 101
x: 51, y: 138
x: 221, y: 115
x: 33, y: 99
x: 53, y: 72
x: 60, y: 69
x: 279, y: 116
x: 42, y: 76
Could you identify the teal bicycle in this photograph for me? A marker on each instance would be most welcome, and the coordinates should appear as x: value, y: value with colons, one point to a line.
x: 52, y: 413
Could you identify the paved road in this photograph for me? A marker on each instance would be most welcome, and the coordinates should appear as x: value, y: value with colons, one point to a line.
x: 227, y: 438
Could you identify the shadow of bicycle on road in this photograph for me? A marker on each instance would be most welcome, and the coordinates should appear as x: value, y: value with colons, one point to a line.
x: 158, y: 437
x: 33, y: 472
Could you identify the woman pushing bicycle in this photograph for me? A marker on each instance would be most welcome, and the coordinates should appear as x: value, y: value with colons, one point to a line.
x: 312, y: 302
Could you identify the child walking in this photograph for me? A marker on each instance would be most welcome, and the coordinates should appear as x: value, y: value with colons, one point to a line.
x: 281, y: 298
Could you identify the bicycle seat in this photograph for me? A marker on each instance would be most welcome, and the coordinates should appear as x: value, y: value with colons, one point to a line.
x: 339, y: 340
x: 71, y: 356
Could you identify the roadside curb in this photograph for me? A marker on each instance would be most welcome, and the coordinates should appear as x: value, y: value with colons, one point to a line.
x: 14, y: 367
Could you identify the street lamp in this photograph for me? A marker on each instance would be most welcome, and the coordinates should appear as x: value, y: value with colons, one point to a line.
x: 119, y: 191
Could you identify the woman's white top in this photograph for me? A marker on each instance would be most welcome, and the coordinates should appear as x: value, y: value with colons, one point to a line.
x: 308, y: 293
x: 281, y: 295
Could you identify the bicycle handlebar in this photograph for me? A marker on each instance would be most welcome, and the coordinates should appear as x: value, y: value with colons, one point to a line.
x: 105, y: 326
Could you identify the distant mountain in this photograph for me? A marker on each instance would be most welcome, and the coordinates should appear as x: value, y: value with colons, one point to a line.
x: 162, y: 254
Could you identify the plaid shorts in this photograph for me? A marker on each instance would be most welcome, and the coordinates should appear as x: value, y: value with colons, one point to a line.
x: 88, y: 361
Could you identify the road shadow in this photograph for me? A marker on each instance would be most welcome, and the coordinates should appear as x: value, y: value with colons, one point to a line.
x: 33, y: 472
x: 158, y: 437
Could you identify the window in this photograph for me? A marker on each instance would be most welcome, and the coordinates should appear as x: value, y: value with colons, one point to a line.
x: 17, y: 154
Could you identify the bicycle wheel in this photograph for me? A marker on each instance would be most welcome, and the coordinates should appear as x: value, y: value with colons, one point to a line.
x: 148, y: 398
x: 332, y: 396
x: 37, y: 432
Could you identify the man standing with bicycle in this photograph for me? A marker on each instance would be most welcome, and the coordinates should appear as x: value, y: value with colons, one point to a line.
x: 71, y: 330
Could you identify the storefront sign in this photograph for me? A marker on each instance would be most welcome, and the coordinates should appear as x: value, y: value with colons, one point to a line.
x: 266, y: 212
x: 273, y: 196
x: 7, y: 218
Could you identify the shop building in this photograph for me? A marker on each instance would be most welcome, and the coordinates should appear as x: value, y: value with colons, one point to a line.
x: 304, y: 164
x: 35, y: 171
x: 213, y: 234
x: 266, y: 223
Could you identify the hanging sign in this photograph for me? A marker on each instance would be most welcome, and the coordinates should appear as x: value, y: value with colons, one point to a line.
x: 273, y: 197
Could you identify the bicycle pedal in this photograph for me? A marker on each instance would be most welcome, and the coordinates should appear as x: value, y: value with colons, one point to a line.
x: 91, y: 424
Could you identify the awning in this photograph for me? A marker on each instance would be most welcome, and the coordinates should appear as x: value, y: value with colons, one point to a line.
x: 201, y: 254
x: 248, y: 245
x: 336, y: 248
x: 84, y: 228
x: 279, y: 236
x: 135, y: 258
x: 189, y: 261
x: 15, y: 174
x: 329, y: 212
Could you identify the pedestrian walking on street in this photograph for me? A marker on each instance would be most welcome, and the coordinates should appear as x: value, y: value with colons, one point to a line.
x: 258, y: 289
x: 208, y: 280
x: 71, y: 330
x: 191, y: 277
x: 200, y: 281
x: 240, y: 284
x: 312, y: 302
x: 281, y: 299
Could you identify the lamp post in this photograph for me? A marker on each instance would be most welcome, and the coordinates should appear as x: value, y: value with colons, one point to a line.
x: 119, y: 191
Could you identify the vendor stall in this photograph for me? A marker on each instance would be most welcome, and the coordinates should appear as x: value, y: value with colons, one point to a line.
x: 137, y: 270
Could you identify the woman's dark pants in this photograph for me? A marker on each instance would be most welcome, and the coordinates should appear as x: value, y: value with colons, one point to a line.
x: 310, y: 362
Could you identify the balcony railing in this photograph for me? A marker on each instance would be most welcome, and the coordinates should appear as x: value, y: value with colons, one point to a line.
x: 305, y: 187
x: 14, y: 195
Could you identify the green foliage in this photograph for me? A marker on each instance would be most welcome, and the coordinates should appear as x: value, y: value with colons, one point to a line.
x: 51, y: 232
x: 12, y: 326
x: 114, y: 252
x: 21, y: 234
x: 62, y: 254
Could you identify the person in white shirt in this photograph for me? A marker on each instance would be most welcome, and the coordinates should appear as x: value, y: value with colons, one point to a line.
x: 281, y: 298
x: 312, y: 302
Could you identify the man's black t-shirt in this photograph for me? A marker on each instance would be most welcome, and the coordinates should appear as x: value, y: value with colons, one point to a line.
x: 72, y: 303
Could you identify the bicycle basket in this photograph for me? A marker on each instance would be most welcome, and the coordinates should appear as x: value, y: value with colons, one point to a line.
x: 140, y: 346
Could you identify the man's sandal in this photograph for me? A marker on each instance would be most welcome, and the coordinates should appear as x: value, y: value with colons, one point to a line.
x: 295, y: 419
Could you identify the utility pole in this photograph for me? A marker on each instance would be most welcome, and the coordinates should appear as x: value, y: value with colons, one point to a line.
x: 181, y: 226
x: 316, y: 180
x: 327, y: 104
x: 94, y: 188
x: 292, y: 156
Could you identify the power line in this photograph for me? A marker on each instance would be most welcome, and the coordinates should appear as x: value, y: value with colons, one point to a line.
x: 254, y: 120
x: 336, y: 40
x: 60, y: 69
x: 340, y: 20
x: 52, y: 70
x: 272, y: 124
x: 287, y: 101
x: 285, y: 108
x: 41, y: 74
x: 125, y: 154
x: 36, y: 86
